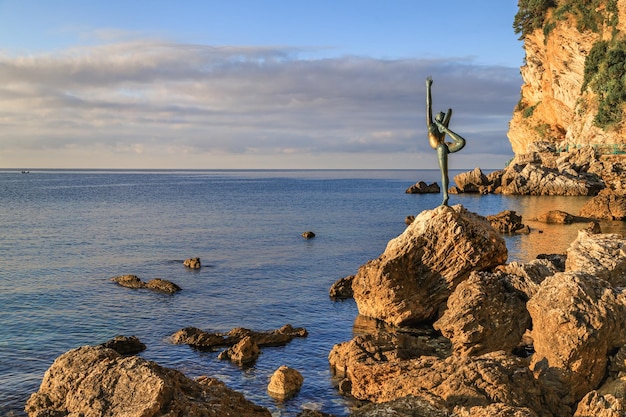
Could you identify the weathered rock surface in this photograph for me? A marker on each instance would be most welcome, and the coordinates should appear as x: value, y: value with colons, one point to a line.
x: 192, y: 263
x: 125, y: 345
x: 342, y: 289
x: 96, y: 381
x: 601, y: 255
x: 535, y: 179
x: 422, y: 188
x: 470, y: 323
x: 578, y: 320
x: 285, y: 383
x: 596, y: 405
x: 472, y: 182
x: 559, y: 217
x: 200, y: 339
x: 244, y: 352
x: 461, y: 381
x: 419, y: 269
x: 607, y: 205
x: 156, y: 284
x: 526, y: 277
x: 508, y: 222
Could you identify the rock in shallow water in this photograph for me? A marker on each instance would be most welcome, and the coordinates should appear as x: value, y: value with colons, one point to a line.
x: 96, y: 381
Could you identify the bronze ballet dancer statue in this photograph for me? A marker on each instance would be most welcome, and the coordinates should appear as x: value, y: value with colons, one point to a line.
x: 437, y: 130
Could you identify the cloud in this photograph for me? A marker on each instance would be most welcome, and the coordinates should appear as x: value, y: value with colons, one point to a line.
x: 149, y: 98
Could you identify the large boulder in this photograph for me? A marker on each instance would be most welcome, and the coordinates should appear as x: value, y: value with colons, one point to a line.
x: 578, y: 321
x: 419, y: 269
x: 607, y: 205
x: 602, y: 255
x: 508, y: 222
x: 471, y: 181
x: 97, y: 381
x: 485, y: 314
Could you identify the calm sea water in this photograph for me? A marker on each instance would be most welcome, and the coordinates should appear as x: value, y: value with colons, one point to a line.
x: 64, y: 234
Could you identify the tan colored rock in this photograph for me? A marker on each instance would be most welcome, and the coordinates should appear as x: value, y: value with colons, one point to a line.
x: 200, y: 339
x: 536, y: 179
x: 125, y: 345
x: 96, y: 381
x: 597, y: 405
x: 422, y: 188
x: 556, y: 217
x: 128, y: 281
x: 424, y: 405
x: 607, y: 205
x: 419, y: 269
x: 285, y: 383
x: 484, y: 314
x: 245, y: 352
x: 192, y: 263
x: 471, y: 181
x: 527, y: 277
x: 463, y: 381
x: 342, y: 289
x: 162, y: 285
x: 493, y: 410
x: 508, y: 222
x: 602, y: 255
x: 578, y: 321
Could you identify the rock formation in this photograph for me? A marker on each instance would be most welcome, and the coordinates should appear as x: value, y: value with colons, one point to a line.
x: 508, y: 222
x: 156, y: 284
x: 97, y: 381
x: 422, y: 188
x: 607, y: 205
x: 244, y: 352
x: 285, y: 383
x: 540, y: 339
x: 200, y: 339
x: 419, y: 269
x: 192, y: 263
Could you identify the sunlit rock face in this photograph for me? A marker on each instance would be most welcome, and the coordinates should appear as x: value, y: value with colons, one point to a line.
x: 552, y: 106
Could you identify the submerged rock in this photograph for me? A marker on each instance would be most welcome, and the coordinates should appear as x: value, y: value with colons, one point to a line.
x: 97, y: 381
x: 419, y: 269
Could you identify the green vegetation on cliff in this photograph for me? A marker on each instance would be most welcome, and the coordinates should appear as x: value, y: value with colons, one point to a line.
x: 605, y: 65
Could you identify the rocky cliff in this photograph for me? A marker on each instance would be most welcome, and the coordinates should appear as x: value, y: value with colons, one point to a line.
x: 574, y: 87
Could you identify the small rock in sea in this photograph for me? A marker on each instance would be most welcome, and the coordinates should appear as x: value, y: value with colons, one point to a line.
x: 308, y: 235
x: 246, y: 351
x: 192, y: 263
x: 422, y: 188
x: 342, y: 289
x: 162, y: 285
x: 125, y: 345
x: 285, y: 383
x: 157, y: 284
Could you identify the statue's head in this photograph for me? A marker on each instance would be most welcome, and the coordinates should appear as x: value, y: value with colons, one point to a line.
x: 439, y: 117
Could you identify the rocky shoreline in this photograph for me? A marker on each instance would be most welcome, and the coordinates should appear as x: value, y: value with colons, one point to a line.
x: 452, y: 331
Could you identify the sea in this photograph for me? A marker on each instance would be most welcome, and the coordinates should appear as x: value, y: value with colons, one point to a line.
x: 65, y: 233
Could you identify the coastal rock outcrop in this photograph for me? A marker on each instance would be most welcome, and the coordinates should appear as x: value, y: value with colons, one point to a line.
x: 419, y: 269
x: 470, y: 323
x: 156, y: 284
x: 508, y: 222
x: 422, y: 188
x: 578, y: 322
x: 200, y: 339
x: 607, y: 205
x: 125, y: 345
x: 602, y: 255
x: 244, y: 352
x: 342, y: 288
x: 94, y: 380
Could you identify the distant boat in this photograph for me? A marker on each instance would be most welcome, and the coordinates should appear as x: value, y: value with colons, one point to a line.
x: 25, y: 172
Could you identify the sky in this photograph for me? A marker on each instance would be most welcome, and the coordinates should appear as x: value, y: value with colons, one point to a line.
x: 254, y: 84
